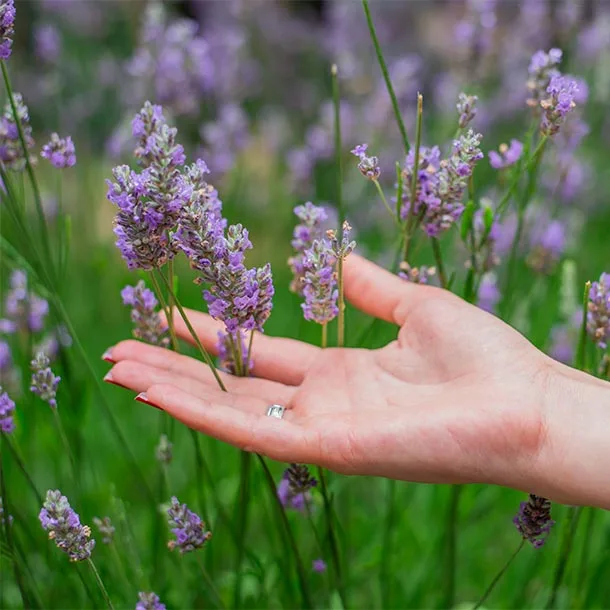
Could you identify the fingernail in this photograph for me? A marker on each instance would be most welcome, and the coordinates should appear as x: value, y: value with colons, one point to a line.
x: 109, y: 379
x: 107, y: 356
x: 141, y: 397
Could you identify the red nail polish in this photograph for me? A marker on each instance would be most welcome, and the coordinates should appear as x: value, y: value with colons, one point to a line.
x: 141, y: 397
x: 107, y: 357
x: 108, y: 379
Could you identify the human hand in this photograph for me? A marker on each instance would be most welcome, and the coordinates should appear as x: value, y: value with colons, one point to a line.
x: 458, y: 397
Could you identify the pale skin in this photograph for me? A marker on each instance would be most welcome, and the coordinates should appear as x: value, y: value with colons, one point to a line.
x: 458, y: 397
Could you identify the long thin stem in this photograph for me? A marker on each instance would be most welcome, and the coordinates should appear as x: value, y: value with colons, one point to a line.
x: 20, y: 464
x: 451, y: 547
x: 415, y: 177
x: 338, y: 144
x: 324, y: 342
x: 387, y: 547
x: 386, y: 76
x: 385, y: 202
x: 65, y: 442
x: 498, y: 576
x: 580, y: 360
x: 438, y: 257
x: 210, y: 583
x: 341, y: 304
x: 202, y: 350
x: 166, y: 310
x: 243, y: 503
x: 100, y: 584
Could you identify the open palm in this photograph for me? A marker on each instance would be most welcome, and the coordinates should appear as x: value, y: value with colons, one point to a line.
x: 444, y: 402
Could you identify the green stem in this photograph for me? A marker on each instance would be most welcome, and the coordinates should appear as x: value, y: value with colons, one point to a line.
x: 324, y: 335
x: 191, y: 330
x: 499, y: 575
x: 415, y: 177
x: 341, y: 304
x: 64, y: 440
x: 166, y: 310
x: 338, y: 145
x: 387, y: 548
x: 170, y: 307
x: 210, y: 583
x: 386, y: 76
x: 100, y: 584
x: 580, y: 360
x: 438, y: 257
x: 385, y: 202
x: 451, y: 542
x: 199, y: 471
x: 20, y: 464
x: 582, y: 570
x: 242, y: 522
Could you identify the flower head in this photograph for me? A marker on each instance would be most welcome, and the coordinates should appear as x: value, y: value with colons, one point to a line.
x: 149, y: 601
x: 44, y: 382
x: 147, y: 325
x: 59, y: 519
x: 489, y: 293
x: 319, y: 283
x: 467, y: 109
x: 416, y: 275
x: 187, y: 527
x: 534, y: 520
x: 598, y: 311
x: 368, y: 166
x: 106, y: 528
x: 508, y: 155
x: 542, y: 68
x: 59, y: 151
x: 319, y: 566
x: 164, y: 451
x: 295, y: 486
x: 7, y: 409
x: 24, y: 310
x: 11, y: 150
x: 562, y: 92
x: 7, y: 24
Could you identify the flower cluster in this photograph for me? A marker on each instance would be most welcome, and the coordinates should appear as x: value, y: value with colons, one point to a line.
x: 508, y: 155
x: 7, y: 409
x: 295, y: 486
x: 416, y: 275
x: 147, y: 324
x: 562, y: 92
x: 542, y: 68
x: 233, y: 353
x: 320, y: 283
x: 548, y: 244
x: 59, y: 519
x: 60, y: 152
x: 187, y: 527
x: 534, y: 520
x: 11, y: 149
x: 312, y: 218
x: 598, y: 311
x: 164, y: 451
x: 44, y: 382
x: 149, y: 601
x: 24, y: 310
x: 7, y: 25
x: 368, y: 166
x: 467, y: 109
x: 489, y: 293
x: 105, y: 528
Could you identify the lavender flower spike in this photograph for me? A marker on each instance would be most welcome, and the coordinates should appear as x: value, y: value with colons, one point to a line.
x: 320, y: 283
x: 44, y: 383
x: 368, y: 166
x: 7, y: 23
x: 7, y: 409
x: 598, y: 314
x: 542, y: 68
x: 416, y: 275
x: 59, y: 151
x: 59, y: 519
x: 227, y: 346
x: 147, y: 325
x: 106, y: 528
x: 25, y: 311
x: 467, y: 109
x: 508, y: 155
x: 11, y: 150
x: 295, y: 486
x: 149, y: 601
x: 187, y: 527
x: 562, y: 92
x: 534, y: 520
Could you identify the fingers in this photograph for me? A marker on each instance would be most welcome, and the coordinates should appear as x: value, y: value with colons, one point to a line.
x: 378, y: 292
x: 212, y: 414
x: 179, y: 365
x: 139, y: 377
x: 277, y: 358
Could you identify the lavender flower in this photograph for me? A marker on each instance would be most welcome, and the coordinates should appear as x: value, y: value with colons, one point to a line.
x: 319, y: 566
x: 7, y: 409
x: 534, y: 520
x: 598, y: 311
x: 467, y: 109
x: 416, y: 275
x: 541, y: 70
x: 147, y: 325
x: 368, y: 166
x: 319, y: 283
x: 47, y: 43
x: 562, y: 92
x: 187, y: 527
x: 294, y: 489
x: 60, y: 152
x: 11, y: 150
x: 44, y: 383
x: 59, y: 519
x: 310, y: 228
x: 164, y: 451
x: 344, y: 247
x: 7, y: 22
x: 507, y: 156
x: 10, y: 375
x: 149, y: 601
x: 548, y: 244
x: 227, y: 350
x: 489, y: 294
x: 106, y: 528
x: 24, y: 310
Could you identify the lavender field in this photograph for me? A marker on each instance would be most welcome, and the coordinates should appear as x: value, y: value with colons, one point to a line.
x: 230, y: 156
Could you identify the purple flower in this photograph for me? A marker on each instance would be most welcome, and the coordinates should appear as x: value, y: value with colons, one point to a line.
x: 310, y: 228
x: 7, y: 23
x: 147, y: 325
x: 231, y: 346
x: 7, y: 409
x: 507, y: 156
x: 294, y: 490
x: 5, y: 356
x: 416, y: 275
x: 319, y: 283
x: 149, y: 601
x: 25, y: 311
x: 489, y: 294
x: 11, y: 150
x: 319, y: 566
x: 59, y: 151
x: 467, y: 109
x: 547, y: 245
x: 47, y: 43
x: 105, y: 528
x: 562, y: 92
x: 541, y: 70
x: 59, y: 519
x: 533, y: 521
x: 598, y: 311
x: 187, y: 527
x: 44, y: 382
x: 368, y: 166
x: 562, y: 343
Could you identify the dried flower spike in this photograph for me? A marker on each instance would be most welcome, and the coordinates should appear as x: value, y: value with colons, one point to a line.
x: 187, y: 527
x: 598, y: 314
x: 7, y: 24
x: 368, y: 166
x: 147, y: 325
x: 44, y: 382
x: 534, y: 520
x: 467, y: 109
x: 7, y: 410
x: 294, y: 489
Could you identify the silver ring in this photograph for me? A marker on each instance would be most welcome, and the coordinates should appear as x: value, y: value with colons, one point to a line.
x: 276, y: 411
